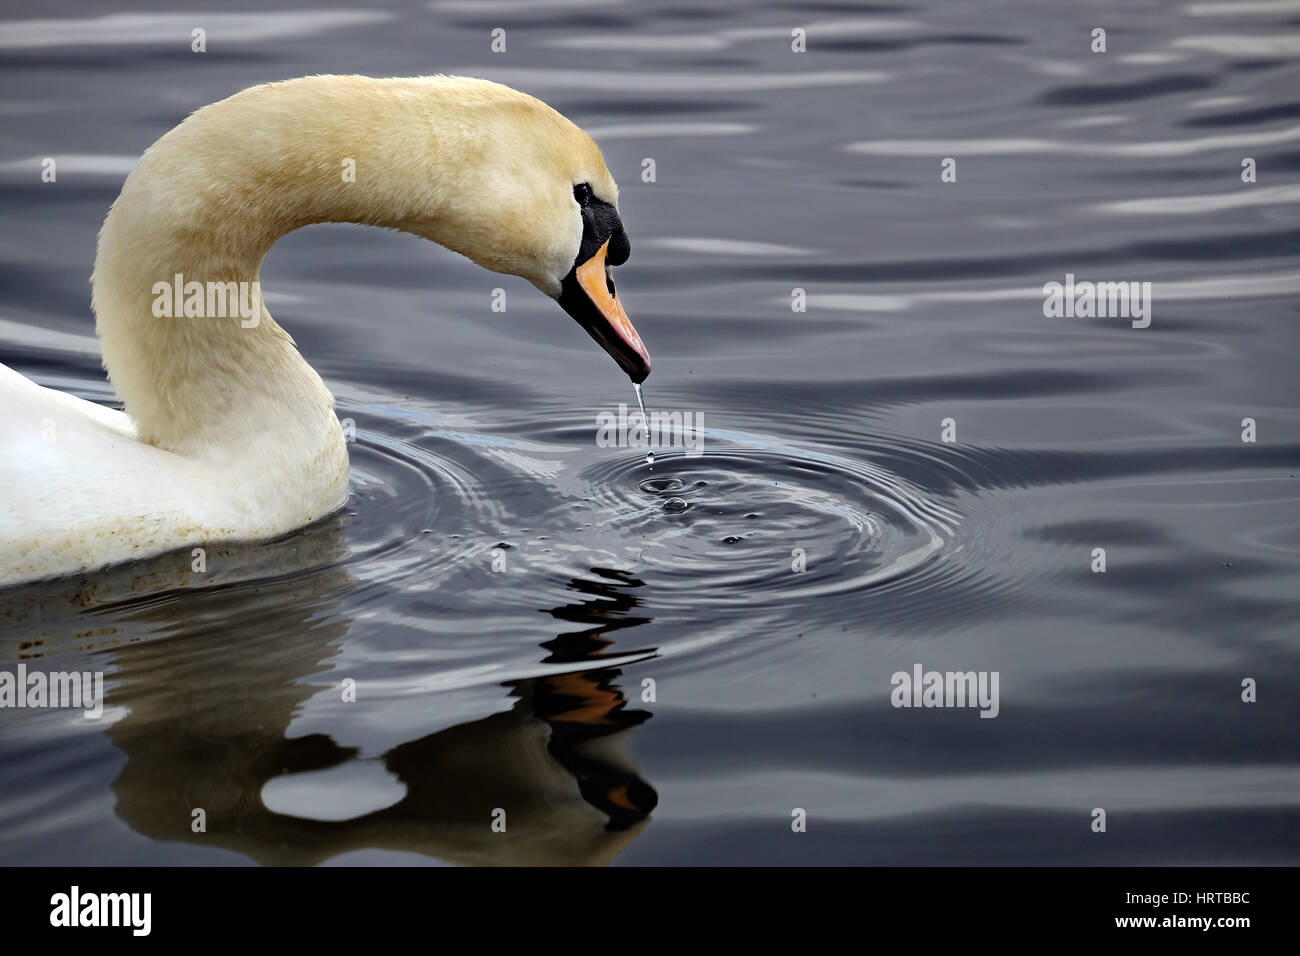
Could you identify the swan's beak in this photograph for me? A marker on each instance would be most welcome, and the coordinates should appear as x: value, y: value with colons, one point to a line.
x: 587, y: 293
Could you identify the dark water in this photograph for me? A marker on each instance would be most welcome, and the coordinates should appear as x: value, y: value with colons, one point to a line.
x: 525, y: 689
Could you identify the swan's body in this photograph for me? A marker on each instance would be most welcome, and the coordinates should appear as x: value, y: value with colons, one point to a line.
x: 228, y: 433
x: 94, y: 494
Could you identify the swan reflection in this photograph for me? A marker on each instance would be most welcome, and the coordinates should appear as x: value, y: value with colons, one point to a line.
x: 205, y: 716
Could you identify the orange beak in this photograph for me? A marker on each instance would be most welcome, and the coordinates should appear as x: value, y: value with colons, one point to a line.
x: 588, y: 294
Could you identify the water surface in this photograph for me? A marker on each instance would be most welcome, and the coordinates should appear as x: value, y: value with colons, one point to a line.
x: 645, y: 677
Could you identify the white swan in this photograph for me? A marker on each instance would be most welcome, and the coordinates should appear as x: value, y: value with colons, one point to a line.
x: 228, y: 434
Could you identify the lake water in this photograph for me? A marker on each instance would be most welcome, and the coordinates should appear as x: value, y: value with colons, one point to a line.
x: 626, y: 658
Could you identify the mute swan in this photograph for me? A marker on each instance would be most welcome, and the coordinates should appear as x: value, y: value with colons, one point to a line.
x: 228, y: 433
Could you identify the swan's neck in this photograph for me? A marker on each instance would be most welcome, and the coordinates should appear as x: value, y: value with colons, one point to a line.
x: 207, y: 202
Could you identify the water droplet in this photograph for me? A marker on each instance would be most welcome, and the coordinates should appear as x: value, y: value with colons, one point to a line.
x: 640, y: 400
x: 675, y: 505
x: 645, y: 422
x: 730, y: 539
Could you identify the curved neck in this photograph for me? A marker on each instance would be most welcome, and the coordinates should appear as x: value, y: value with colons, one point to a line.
x: 205, y: 204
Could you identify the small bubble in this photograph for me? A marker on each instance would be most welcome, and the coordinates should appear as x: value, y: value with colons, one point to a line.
x: 730, y: 539
x: 675, y: 505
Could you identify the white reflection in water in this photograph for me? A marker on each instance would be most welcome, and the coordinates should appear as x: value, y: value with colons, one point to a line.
x: 712, y: 246
x: 640, y: 130
x: 515, y: 6
x: 695, y: 42
x: 1008, y: 147
x: 349, y: 790
x: 846, y: 797
x: 1261, y: 46
x: 534, y: 80
x: 1214, y: 202
x: 1235, y: 8
x: 124, y: 29
x: 77, y: 164
x: 1282, y: 283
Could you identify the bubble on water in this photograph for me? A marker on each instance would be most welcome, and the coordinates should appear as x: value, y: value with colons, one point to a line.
x: 675, y: 505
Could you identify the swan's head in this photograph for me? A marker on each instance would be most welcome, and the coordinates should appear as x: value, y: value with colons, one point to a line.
x: 531, y: 196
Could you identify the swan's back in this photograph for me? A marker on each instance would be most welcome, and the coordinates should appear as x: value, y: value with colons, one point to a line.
x: 79, y: 490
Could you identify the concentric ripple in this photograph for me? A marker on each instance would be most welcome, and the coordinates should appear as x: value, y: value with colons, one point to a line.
x: 755, y: 522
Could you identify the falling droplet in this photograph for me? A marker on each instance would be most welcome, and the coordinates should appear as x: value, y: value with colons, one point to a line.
x: 640, y: 400
x: 645, y: 421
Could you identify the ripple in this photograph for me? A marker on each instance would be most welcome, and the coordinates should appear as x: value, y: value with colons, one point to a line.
x: 759, y: 525
x: 1124, y: 92
x: 501, y: 588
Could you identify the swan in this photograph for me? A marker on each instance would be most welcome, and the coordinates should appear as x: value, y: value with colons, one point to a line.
x: 227, y: 433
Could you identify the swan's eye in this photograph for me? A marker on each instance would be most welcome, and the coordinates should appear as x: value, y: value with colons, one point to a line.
x: 582, y: 193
